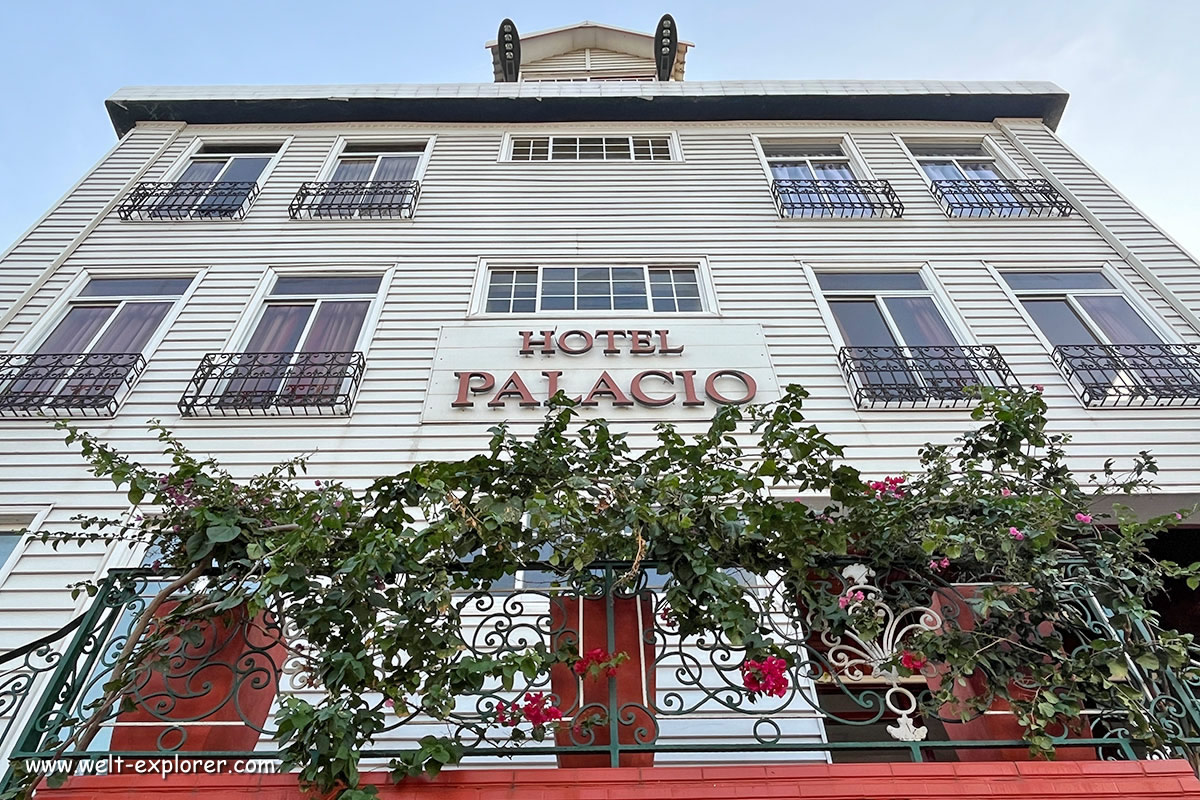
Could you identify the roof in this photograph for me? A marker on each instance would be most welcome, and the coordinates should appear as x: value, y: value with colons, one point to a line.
x: 569, y: 38
x: 534, y: 102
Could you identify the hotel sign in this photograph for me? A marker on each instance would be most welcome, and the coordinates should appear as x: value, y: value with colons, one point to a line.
x: 652, y: 371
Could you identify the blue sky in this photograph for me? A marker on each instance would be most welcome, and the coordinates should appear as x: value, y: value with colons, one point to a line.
x: 1132, y: 68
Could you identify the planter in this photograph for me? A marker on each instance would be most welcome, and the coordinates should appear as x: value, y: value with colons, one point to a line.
x: 213, y: 696
x: 626, y: 698
x: 998, y: 722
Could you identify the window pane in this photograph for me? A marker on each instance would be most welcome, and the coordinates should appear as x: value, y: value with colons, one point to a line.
x: 76, y: 330
x: 941, y: 171
x: 948, y: 150
x: 202, y: 171
x: 869, y: 281
x: 801, y: 151
x: 980, y: 170
x: 352, y: 169
x: 381, y: 147
x: 558, y: 303
x: 134, y: 287
x: 1120, y: 323
x: 8, y: 544
x: 396, y: 168
x: 1058, y: 322
x: 336, y: 327
x: 861, y: 324
x: 791, y: 171
x: 919, y: 321
x: 1056, y: 280
x: 279, y: 329
x: 132, y: 328
x: 244, y: 169
x: 325, y: 285
x: 833, y: 171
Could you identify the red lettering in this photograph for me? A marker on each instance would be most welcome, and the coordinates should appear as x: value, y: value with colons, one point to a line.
x: 587, y: 339
x: 641, y: 342
x: 635, y: 388
x: 662, y: 344
x: 513, y: 387
x: 689, y: 387
x: 552, y: 376
x: 710, y: 387
x: 605, y: 386
x: 611, y: 348
x: 527, y: 343
x: 464, y: 386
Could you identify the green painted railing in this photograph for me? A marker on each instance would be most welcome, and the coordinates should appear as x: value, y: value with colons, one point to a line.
x: 674, y: 700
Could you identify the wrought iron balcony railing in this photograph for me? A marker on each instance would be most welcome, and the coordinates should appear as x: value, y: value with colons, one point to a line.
x: 235, y: 384
x: 66, y: 384
x: 843, y: 697
x: 1132, y: 374
x: 346, y: 199
x: 188, y: 200
x: 1001, y: 198
x: 835, y: 198
x: 891, y: 377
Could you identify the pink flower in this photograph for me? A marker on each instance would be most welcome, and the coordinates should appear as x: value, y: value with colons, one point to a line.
x: 859, y: 596
x: 1016, y: 534
x: 938, y: 566
x: 913, y: 661
x: 1081, y: 517
x: 1178, y: 515
x: 843, y: 601
x: 1006, y: 492
x: 945, y: 563
x: 767, y: 677
x: 1037, y: 387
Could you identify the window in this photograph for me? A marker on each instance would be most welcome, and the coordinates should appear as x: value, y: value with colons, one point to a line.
x: 302, y: 354
x: 591, y: 148
x: 899, y: 347
x: 94, y: 353
x: 968, y: 181
x: 218, y: 182
x: 816, y: 180
x: 369, y: 179
x: 11, y: 530
x: 1100, y: 340
x: 515, y: 290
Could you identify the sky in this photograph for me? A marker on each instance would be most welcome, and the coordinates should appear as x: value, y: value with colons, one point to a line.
x: 1132, y: 68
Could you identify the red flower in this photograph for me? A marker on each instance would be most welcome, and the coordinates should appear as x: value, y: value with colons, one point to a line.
x: 767, y: 677
x: 913, y: 661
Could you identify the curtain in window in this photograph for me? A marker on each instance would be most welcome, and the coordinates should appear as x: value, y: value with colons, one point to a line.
x: 69, y: 337
x: 333, y: 334
x: 193, y: 186
x: 844, y: 202
x: 258, y: 374
x: 921, y: 325
x: 1126, y: 329
x: 863, y: 328
x: 116, y: 351
x: 345, y: 203
x: 234, y: 187
x: 391, y: 168
x: 941, y: 171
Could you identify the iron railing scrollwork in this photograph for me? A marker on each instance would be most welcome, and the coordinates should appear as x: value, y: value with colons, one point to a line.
x: 835, y: 198
x: 844, y: 695
x: 151, y: 200
x: 66, y: 384
x: 930, y: 376
x: 1001, y: 198
x: 347, y: 199
x: 1132, y: 374
x: 232, y: 384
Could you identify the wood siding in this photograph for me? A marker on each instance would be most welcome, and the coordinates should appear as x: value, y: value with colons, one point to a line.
x: 715, y: 204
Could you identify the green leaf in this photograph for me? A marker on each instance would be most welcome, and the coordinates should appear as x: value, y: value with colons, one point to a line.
x: 220, y: 534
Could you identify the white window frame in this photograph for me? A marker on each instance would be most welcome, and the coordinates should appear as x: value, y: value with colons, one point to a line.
x: 933, y: 289
x: 672, y: 137
x: 28, y: 517
x: 256, y: 307
x: 192, y: 151
x: 850, y: 152
x: 1111, y: 273
x: 708, y: 299
x: 1007, y: 168
x: 339, y: 150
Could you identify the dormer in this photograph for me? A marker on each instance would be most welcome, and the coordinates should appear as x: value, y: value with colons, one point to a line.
x: 588, y: 51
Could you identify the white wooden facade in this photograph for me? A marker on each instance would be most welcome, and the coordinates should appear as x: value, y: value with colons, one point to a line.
x: 709, y: 207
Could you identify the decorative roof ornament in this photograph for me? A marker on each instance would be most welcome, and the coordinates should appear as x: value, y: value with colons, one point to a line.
x: 666, y: 46
x: 508, y: 42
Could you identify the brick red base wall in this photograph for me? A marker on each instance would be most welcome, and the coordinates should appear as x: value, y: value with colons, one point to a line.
x: 1142, y: 780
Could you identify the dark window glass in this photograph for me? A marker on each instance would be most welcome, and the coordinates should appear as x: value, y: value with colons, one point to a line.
x: 919, y: 321
x: 296, y: 285
x: 134, y: 287
x: 861, y: 323
x: 1120, y: 323
x: 869, y: 281
x: 1062, y: 281
x: 1059, y: 322
x: 76, y: 330
x: 132, y: 328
